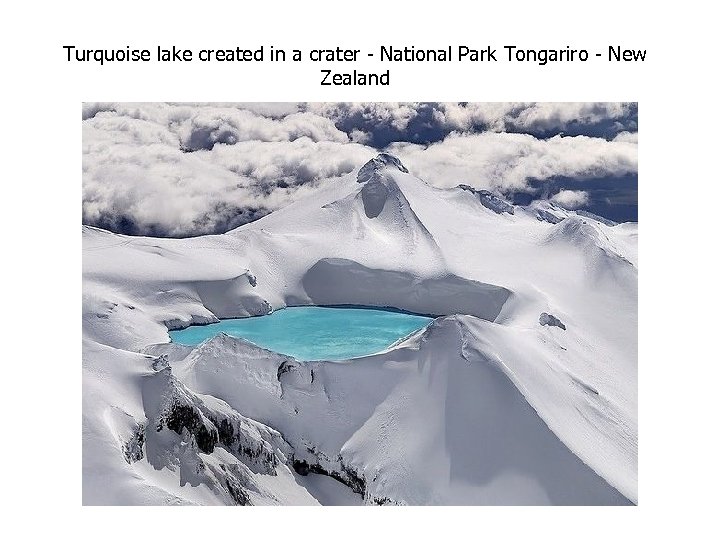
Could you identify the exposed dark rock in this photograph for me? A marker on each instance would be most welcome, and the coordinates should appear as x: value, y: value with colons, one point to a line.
x: 285, y: 367
x: 551, y: 320
x: 257, y: 456
x: 205, y: 424
x: 210, y: 428
x: 301, y: 467
x: 236, y: 491
x: 226, y: 432
x: 608, y: 222
x: 161, y: 362
x: 544, y: 215
x: 188, y: 417
x: 489, y: 200
x: 353, y: 480
x: 346, y: 476
x: 133, y: 449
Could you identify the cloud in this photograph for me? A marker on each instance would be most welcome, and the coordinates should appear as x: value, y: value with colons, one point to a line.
x: 162, y: 190
x: 139, y: 178
x: 210, y: 126
x: 187, y: 169
x: 571, y: 199
x: 626, y: 136
x: 430, y: 122
x: 531, y: 117
x: 359, y: 136
x: 507, y: 161
x: 396, y: 115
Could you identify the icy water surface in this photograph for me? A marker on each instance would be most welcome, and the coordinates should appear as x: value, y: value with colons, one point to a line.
x: 315, y: 333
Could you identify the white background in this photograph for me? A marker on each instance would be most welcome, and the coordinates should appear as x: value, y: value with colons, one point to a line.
x: 41, y: 211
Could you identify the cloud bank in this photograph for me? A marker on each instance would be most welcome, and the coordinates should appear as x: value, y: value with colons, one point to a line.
x: 571, y: 199
x: 187, y: 169
x: 505, y: 162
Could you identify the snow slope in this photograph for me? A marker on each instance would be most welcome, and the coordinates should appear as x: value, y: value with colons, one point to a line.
x: 488, y: 405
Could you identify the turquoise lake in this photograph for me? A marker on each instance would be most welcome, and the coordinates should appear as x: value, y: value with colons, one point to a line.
x: 313, y: 332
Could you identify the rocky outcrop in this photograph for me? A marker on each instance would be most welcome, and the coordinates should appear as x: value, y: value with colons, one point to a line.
x: 133, y: 448
x: 345, y: 475
x: 546, y: 319
x: 489, y: 200
x: 381, y: 161
x: 183, y: 427
x: 214, y: 423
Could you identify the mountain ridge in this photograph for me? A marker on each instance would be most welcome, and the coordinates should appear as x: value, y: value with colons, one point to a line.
x: 413, y: 246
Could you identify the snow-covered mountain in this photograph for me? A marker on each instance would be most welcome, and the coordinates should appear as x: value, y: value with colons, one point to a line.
x: 522, y: 391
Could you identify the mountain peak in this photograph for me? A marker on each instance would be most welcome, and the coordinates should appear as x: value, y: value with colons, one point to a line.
x: 380, y: 161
